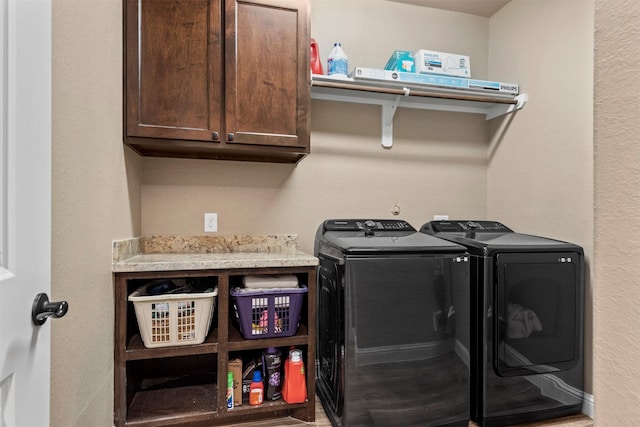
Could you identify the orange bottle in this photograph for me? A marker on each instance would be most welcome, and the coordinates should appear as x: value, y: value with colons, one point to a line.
x: 294, y: 389
x: 256, y: 390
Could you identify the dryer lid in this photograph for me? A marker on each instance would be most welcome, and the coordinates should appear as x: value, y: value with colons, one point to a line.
x: 488, y: 237
x: 381, y: 236
x: 466, y: 226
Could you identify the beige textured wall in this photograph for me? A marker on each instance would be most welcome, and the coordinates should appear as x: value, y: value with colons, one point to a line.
x: 617, y: 213
x: 348, y: 174
x: 436, y: 166
x: 370, y: 30
x: 540, y: 174
x: 103, y: 192
x: 96, y: 199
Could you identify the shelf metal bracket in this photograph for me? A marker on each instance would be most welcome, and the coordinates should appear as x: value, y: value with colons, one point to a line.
x: 501, y: 110
x: 388, y: 112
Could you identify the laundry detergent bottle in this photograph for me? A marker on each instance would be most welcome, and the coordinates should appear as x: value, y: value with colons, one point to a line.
x: 256, y: 389
x: 316, y: 63
x: 294, y: 389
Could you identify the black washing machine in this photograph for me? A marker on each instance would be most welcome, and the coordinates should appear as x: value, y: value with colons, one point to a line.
x: 526, y: 322
x: 392, y: 325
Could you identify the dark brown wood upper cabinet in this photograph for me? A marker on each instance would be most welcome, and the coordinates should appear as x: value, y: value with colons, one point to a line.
x: 217, y: 79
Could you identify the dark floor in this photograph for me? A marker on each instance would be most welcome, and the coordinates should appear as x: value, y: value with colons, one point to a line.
x: 323, y: 421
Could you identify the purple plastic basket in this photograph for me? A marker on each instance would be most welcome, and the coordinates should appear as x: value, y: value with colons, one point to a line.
x: 268, y: 313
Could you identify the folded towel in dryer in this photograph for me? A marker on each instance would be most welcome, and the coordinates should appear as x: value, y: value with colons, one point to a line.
x: 521, y: 322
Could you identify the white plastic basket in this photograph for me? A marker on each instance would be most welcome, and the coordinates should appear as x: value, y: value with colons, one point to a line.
x: 173, y: 319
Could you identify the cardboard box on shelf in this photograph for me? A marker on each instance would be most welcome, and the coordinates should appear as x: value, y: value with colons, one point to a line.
x: 401, y: 60
x: 434, y: 82
x: 247, y: 377
x: 235, y: 366
x: 448, y: 64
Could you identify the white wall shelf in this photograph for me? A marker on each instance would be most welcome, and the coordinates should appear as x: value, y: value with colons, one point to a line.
x: 391, y: 97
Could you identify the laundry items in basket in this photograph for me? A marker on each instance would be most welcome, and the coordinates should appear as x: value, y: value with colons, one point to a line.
x: 268, y: 306
x: 268, y: 281
x: 170, y: 315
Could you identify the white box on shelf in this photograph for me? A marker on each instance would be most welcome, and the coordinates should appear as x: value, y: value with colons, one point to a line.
x: 448, y: 64
x: 429, y: 81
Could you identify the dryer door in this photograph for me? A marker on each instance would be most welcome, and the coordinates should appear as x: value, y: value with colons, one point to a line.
x: 538, y: 312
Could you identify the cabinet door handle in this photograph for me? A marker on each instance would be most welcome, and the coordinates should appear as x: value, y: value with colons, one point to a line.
x: 215, y: 136
x: 230, y: 136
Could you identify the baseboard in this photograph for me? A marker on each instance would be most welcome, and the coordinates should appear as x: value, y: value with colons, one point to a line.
x: 587, y: 405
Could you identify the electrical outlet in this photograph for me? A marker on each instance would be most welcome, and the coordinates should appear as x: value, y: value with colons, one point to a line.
x: 210, y: 222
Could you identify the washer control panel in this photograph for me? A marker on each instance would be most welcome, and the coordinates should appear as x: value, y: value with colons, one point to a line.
x: 468, y: 225
x: 367, y: 224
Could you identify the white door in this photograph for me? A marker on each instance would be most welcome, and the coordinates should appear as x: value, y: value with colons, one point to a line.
x: 25, y: 209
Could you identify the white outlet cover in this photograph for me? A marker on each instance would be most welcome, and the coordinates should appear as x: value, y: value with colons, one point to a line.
x: 210, y: 222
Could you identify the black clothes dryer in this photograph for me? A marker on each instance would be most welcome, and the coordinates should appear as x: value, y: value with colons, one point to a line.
x: 526, y: 322
x: 392, y: 325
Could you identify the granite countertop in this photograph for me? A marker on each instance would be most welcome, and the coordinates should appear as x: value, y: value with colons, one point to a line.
x: 166, y: 253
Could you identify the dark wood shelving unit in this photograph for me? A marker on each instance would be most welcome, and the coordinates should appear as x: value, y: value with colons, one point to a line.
x: 167, y: 407
x: 179, y: 385
x: 137, y: 351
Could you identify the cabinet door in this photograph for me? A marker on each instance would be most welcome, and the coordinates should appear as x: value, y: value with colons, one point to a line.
x: 267, y: 72
x: 173, y: 69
